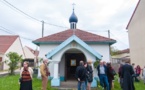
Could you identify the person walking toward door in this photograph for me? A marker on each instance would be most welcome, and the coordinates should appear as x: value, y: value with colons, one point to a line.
x: 44, y: 74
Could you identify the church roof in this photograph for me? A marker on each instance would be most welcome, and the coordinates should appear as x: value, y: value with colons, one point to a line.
x: 87, y: 37
x: 79, y: 41
x: 6, y: 41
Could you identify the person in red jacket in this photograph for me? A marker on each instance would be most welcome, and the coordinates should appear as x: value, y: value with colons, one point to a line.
x: 137, y: 71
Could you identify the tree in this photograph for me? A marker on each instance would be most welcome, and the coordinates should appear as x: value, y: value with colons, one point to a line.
x: 114, y: 51
x: 13, y: 61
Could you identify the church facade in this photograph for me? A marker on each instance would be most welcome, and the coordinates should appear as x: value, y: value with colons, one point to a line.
x: 66, y: 49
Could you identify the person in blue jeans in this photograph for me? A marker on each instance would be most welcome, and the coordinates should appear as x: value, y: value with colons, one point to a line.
x: 102, y: 73
x: 81, y: 76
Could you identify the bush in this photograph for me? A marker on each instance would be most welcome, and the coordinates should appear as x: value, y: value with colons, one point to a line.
x: 13, y: 61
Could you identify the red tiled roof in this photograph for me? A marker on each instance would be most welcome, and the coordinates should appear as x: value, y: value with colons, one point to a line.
x: 124, y: 51
x: 35, y: 52
x: 6, y: 41
x: 83, y: 35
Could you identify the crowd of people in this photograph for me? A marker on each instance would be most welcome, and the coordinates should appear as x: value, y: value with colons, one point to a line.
x: 84, y: 75
x: 128, y: 74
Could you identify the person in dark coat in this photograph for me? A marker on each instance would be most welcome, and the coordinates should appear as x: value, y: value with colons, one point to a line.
x: 81, y: 76
x: 127, y: 72
x: 120, y: 77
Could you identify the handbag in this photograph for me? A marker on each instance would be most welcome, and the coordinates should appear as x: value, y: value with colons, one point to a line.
x: 89, y: 77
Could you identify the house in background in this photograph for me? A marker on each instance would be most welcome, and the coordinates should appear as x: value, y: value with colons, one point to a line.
x: 67, y: 48
x: 31, y: 55
x: 121, y: 56
x: 9, y: 43
x: 136, y: 31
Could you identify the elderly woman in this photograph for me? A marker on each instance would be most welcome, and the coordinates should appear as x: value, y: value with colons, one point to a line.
x: 26, y: 77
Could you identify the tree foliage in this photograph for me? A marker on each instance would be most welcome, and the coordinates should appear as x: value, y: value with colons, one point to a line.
x: 13, y: 60
x: 114, y: 51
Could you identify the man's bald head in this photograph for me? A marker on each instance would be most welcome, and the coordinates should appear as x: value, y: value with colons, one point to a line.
x: 81, y: 63
x: 45, y: 61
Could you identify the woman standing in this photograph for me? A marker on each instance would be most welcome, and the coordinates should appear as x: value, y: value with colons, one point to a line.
x: 89, y: 74
x: 26, y: 77
x: 143, y: 74
x: 110, y: 75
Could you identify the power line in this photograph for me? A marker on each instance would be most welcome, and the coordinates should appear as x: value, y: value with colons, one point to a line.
x: 13, y: 33
x: 22, y: 12
x: 118, y: 39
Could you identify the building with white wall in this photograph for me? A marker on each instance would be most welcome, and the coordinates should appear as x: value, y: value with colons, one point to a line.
x: 31, y: 55
x: 136, y: 31
x: 9, y: 43
x: 65, y: 50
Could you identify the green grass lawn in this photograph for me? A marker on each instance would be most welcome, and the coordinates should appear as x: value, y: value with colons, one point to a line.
x: 138, y: 85
x: 11, y: 83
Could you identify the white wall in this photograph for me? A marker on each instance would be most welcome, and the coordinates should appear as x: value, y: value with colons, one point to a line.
x: 62, y: 66
x: 103, y: 49
x: 28, y: 53
x: 44, y: 49
x: 15, y: 47
x: 58, y: 56
x: 136, y: 32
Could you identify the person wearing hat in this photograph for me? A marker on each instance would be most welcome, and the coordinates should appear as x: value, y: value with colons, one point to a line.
x: 44, y: 74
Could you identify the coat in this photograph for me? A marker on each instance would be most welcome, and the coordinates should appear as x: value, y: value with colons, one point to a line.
x: 127, y: 72
x: 81, y: 73
x: 44, y: 70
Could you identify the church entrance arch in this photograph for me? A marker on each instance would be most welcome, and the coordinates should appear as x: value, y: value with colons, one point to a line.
x: 69, y: 62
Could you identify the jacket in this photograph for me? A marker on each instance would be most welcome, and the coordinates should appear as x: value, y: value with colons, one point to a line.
x: 43, y: 70
x: 81, y: 73
x: 98, y: 68
x: 30, y: 71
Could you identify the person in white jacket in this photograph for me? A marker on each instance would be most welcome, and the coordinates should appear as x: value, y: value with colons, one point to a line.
x: 143, y: 74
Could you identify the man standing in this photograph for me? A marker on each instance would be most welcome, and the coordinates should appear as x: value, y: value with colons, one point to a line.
x: 102, y: 73
x: 81, y: 76
x: 44, y: 74
x: 127, y: 72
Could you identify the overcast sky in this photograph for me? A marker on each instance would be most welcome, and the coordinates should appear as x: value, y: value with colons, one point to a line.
x: 96, y: 16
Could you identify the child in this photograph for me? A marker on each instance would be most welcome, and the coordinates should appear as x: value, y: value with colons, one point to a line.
x: 143, y: 74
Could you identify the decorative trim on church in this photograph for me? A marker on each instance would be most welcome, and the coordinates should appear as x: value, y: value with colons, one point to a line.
x: 79, y: 41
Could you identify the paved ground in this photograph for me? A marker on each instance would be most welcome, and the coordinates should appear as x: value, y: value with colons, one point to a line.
x: 69, y: 85
x: 3, y: 73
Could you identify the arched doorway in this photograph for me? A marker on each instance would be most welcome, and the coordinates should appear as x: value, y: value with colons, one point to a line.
x: 69, y: 62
